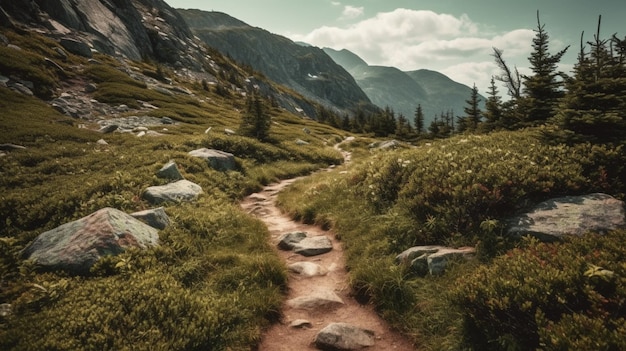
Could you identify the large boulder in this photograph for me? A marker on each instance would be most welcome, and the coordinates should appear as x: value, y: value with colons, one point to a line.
x: 344, y: 336
x: 179, y: 191
x: 218, y: 160
x: 77, y: 245
x: 432, y: 259
x: 570, y: 215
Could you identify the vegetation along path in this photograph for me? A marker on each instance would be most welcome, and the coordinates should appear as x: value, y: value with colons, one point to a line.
x: 302, y: 321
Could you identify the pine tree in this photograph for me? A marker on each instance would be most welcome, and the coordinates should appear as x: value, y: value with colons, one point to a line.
x: 543, y: 89
x: 493, y: 110
x: 472, y: 111
x: 595, y: 104
x: 418, y: 120
x: 256, y: 121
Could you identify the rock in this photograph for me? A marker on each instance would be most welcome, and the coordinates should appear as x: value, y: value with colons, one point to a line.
x: 570, y: 215
x: 102, y: 142
x: 170, y: 171
x: 90, y: 88
x: 53, y: 64
x: 432, y: 258
x: 313, y: 246
x: 301, y: 324
x: 156, y: 217
x: 182, y: 190
x: 20, y: 88
x: 229, y: 131
x: 167, y: 120
x: 301, y: 142
x: 77, y: 245
x: 110, y: 128
x: 6, y: 310
x: 62, y: 54
x: 316, y: 300
x: 218, y: 160
x: 11, y: 147
x: 307, y: 269
x: 287, y: 241
x: 343, y: 336
x: 305, y: 245
x: 76, y: 47
x: 306, y: 130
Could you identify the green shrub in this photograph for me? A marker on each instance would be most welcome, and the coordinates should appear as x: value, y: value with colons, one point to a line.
x: 559, y: 296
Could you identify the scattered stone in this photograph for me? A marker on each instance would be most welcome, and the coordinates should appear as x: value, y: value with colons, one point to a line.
x: 301, y: 324
x: 229, y: 131
x: 90, y: 88
x: 218, y: 160
x: 207, y: 130
x: 313, y: 246
x: 5, y: 310
x: 287, y: 241
x: 156, y: 217
x: 432, y: 259
x: 110, y: 128
x: 11, y: 147
x: 182, y: 190
x: 306, y: 130
x: 167, y: 120
x: 140, y: 134
x: 20, y: 88
x: 570, y: 215
x: 316, y: 300
x: 76, y: 47
x: 307, y: 269
x: 170, y: 171
x: 102, y: 142
x: 343, y: 336
x: 77, y: 245
x: 301, y: 142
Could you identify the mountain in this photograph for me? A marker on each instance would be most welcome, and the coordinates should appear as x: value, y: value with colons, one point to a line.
x: 306, y: 69
x: 403, y: 91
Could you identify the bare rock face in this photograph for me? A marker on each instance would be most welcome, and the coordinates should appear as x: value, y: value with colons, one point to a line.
x: 76, y: 246
x: 343, y: 336
x: 570, y: 215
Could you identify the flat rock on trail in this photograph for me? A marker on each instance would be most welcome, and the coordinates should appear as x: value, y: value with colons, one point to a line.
x: 284, y: 336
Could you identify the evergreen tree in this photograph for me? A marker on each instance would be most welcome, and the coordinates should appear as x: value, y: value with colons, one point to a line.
x: 493, y: 110
x: 402, y: 127
x: 543, y: 89
x: 418, y: 120
x: 595, y: 104
x: 256, y: 121
x: 472, y: 111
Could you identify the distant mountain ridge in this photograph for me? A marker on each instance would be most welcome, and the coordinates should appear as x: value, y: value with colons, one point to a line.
x: 306, y: 69
x: 403, y: 91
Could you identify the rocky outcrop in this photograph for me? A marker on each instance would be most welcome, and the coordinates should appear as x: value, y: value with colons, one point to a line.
x: 77, y: 245
x: 570, y: 215
x: 218, y: 160
x: 305, y: 69
x: 179, y: 191
x: 343, y: 336
x: 432, y: 259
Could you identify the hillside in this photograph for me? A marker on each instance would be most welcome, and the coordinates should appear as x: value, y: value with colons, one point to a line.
x: 403, y: 91
x: 305, y: 69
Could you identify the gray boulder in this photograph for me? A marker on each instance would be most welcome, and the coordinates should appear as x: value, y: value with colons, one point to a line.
x: 156, y: 217
x: 218, y: 160
x: 179, y: 191
x: 570, y: 215
x: 305, y: 245
x: 170, y: 171
x: 344, y: 336
x: 77, y: 245
x: 432, y: 259
x: 76, y: 47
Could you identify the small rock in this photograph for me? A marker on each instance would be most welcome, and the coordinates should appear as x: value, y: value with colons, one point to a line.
x: 287, y: 241
x: 301, y: 324
x: 301, y: 142
x: 179, y: 191
x: 343, y: 336
x: 140, y: 134
x: 6, y: 309
x: 90, y: 88
x: 307, y: 269
x: 11, y: 147
x: 76, y: 47
x: 102, y: 142
x: 156, y: 217
x: 316, y: 300
x: 167, y: 120
x: 313, y: 246
x: 432, y: 259
x: 170, y: 171
x: 229, y: 131
x: 53, y: 64
x: 110, y: 128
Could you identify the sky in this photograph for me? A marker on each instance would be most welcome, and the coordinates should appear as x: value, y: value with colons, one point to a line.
x: 454, y: 37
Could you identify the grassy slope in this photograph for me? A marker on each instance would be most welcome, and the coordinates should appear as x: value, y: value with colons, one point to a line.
x: 212, y: 284
x: 456, y: 192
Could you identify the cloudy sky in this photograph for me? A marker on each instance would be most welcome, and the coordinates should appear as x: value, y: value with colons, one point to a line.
x: 454, y: 37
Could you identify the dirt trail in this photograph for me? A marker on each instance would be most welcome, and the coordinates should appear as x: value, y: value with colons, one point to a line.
x: 282, y: 336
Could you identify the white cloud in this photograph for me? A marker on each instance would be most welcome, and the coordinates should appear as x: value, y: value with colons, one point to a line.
x: 351, y: 12
x: 335, y: 3
x: 411, y: 39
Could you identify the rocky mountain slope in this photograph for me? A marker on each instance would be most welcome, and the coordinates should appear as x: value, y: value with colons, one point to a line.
x: 403, y: 91
x: 307, y: 70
